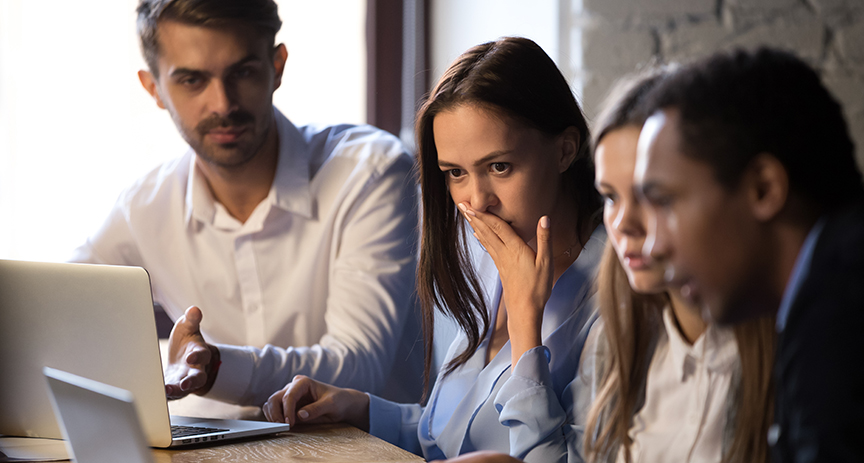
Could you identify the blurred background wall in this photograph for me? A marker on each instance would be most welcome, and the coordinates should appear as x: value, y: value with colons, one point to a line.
x: 618, y: 36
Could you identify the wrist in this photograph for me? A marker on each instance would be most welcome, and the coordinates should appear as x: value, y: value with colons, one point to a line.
x: 519, y: 347
x: 524, y: 337
x: 525, y: 329
x: 360, y: 413
x: 212, y: 369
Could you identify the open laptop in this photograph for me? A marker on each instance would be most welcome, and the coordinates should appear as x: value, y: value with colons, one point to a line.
x: 99, y: 422
x: 94, y: 321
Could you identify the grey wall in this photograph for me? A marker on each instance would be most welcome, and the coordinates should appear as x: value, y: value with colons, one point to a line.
x: 618, y: 36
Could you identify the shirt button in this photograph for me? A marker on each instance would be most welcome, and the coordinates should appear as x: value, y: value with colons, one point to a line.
x: 774, y: 434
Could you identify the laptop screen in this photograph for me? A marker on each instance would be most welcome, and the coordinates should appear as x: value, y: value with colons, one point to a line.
x: 94, y: 321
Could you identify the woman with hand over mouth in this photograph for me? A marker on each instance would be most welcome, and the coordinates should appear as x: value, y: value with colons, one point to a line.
x: 511, y: 239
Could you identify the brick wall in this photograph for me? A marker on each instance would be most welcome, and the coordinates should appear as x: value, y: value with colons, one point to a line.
x: 618, y: 36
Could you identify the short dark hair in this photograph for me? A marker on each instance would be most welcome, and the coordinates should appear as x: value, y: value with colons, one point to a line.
x: 261, y: 15
x: 625, y: 105
x: 512, y: 77
x: 735, y: 105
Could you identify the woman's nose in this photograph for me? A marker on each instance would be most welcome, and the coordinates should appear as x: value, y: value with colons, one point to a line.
x: 482, y: 195
x: 629, y: 220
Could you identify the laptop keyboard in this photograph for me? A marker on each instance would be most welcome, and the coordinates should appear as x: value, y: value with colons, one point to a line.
x: 186, y: 431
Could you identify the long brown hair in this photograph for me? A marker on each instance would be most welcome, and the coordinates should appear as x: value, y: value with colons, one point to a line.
x: 632, y: 322
x: 514, y: 77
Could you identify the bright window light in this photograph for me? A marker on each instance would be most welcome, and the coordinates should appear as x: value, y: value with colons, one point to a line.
x: 76, y: 127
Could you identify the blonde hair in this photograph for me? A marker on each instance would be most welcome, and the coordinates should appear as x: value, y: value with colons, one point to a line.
x: 632, y: 322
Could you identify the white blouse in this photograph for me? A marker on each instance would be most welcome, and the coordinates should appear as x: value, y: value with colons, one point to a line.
x: 686, y: 393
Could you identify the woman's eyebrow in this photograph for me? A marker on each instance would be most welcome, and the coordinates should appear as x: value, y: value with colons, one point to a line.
x: 485, y: 159
x: 603, y: 185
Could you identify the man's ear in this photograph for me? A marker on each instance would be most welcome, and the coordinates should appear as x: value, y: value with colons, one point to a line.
x: 769, y: 186
x: 569, y: 142
x: 149, y: 83
x: 280, y: 56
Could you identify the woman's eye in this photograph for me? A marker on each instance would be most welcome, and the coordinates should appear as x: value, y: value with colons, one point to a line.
x: 609, y: 199
x: 500, y: 167
x: 455, y: 173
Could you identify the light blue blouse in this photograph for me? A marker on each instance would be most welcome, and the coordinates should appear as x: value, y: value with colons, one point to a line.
x: 519, y: 411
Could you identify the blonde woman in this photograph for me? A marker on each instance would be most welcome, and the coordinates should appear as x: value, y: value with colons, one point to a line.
x: 663, y: 385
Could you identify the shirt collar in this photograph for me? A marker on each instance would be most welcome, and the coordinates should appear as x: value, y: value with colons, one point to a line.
x: 290, y: 190
x: 291, y: 184
x: 799, y: 273
x: 200, y: 203
x: 716, y: 348
x: 571, y: 290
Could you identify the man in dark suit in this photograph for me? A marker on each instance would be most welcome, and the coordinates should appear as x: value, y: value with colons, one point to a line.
x: 755, y: 199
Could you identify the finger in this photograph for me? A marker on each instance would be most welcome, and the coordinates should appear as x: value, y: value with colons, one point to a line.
x: 266, y: 410
x: 185, y: 326
x: 189, y: 323
x: 197, y: 353
x: 319, y: 404
x: 544, y: 243
x: 273, y: 407
x: 321, y: 407
x: 482, y: 231
x: 194, y: 316
x: 297, y: 390
x: 173, y: 392
x: 501, y: 230
x: 196, y: 379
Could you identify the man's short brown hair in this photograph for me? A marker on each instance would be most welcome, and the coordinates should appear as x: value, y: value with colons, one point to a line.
x: 261, y: 15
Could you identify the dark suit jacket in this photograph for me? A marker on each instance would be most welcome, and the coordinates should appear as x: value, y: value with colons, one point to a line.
x: 819, y: 368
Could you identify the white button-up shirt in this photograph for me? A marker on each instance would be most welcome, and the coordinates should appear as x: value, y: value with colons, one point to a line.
x: 686, y: 393
x: 323, y: 268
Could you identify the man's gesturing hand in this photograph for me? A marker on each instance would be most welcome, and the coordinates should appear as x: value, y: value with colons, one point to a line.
x: 191, y: 361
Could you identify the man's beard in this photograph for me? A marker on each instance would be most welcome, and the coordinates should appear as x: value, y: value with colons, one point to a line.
x: 230, y: 154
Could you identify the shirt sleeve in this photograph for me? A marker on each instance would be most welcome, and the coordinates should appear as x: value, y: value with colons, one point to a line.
x: 529, y: 407
x: 371, y: 319
x: 395, y: 423
x: 582, y: 392
x: 113, y: 243
x: 543, y: 426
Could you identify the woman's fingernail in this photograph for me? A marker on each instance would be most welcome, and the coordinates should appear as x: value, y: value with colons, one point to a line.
x: 544, y: 221
x: 466, y: 211
x: 303, y: 414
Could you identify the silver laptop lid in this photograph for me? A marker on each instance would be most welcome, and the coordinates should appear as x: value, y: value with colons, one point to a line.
x: 62, y: 316
x: 99, y: 422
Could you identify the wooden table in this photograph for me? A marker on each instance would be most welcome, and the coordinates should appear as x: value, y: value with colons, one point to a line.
x: 310, y: 443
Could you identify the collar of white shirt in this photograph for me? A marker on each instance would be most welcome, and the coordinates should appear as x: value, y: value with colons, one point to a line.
x: 290, y: 189
x: 716, y: 347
